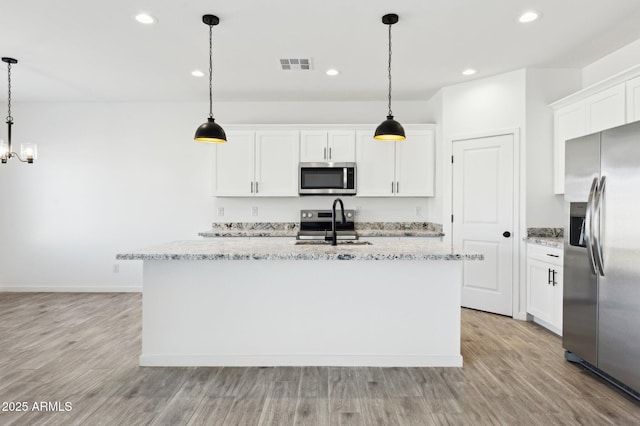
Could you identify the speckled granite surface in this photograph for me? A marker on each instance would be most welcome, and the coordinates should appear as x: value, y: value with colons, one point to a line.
x: 290, y: 229
x: 283, y: 249
x: 252, y: 229
x: 398, y: 229
x: 545, y: 232
x: 550, y: 237
x: 546, y: 241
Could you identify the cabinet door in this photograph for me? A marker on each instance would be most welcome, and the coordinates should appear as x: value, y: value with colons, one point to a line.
x: 375, y: 162
x: 633, y: 100
x: 415, y: 165
x: 233, y: 165
x: 277, y: 154
x: 341, y: 146
x: 606, y: 109
x: 558, y: 289
x: 313, y: 146
x: 540, y: 291
x: 569, y: 122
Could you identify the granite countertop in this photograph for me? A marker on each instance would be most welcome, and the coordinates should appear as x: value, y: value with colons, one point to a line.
x: 556, y: 242
x: 290, y: 229
x: 283, y: 249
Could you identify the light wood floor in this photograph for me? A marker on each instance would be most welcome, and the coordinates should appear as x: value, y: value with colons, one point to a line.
x: 84, y: 348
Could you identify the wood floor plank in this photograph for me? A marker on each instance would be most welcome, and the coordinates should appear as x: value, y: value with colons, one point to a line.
x: 84, y: 348
x: 374, y: 397
x: 344, y: 402
x: 280, y: 403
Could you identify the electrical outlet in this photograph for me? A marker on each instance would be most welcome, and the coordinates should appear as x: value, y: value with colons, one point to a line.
x: 220, y: 211
x: 418, y: 211
x: 254, y: 211
x: 116, y: 268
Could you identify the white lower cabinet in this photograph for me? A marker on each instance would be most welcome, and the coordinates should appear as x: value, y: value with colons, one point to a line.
x: 544, y: 286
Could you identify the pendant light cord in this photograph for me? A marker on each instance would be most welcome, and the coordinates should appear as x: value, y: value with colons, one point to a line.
x: 390, y: 112
x: 9, y: 117
x: 210, y: 71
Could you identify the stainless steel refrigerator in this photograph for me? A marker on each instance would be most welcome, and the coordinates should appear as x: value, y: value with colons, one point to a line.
x: 601, y: 317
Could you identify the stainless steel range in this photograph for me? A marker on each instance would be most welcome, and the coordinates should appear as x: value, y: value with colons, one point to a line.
x: 316, y: 225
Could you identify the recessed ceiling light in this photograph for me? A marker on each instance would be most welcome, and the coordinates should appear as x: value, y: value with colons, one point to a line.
x: 145, y: 18
x: 529, y: 16
x: 197, y: 73
x: 333, y: 72
x: 469, y: 71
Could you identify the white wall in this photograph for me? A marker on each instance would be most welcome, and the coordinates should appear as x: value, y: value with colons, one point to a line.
x: 614, y: 63
x: 544, y: 86
x: 111, y: 177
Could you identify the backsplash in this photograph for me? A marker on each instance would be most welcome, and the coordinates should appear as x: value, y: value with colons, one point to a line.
x: 287, y: 229
x: 400, y: 226
x: 545, y: 232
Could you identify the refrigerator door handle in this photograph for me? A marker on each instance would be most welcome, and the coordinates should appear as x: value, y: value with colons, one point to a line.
x: 589, y: 225
x: 597, y: 227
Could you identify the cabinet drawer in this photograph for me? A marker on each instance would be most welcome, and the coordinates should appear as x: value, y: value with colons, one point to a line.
x: 550, y: 255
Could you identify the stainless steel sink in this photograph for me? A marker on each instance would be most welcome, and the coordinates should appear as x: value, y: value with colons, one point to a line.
x: 328, y: 243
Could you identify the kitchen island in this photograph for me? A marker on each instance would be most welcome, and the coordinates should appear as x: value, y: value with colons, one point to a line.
x: 270, y: 302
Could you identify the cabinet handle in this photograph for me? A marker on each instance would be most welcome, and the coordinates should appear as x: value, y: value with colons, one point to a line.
x: 548, y: 275
x: 330, y: 156
x: 325, y: 153
x: 397, y: 187
x: 252, y: 187
x: 257, y: 187
x: 392, y: 187
x: 554, y: 278
x: 553, y: 255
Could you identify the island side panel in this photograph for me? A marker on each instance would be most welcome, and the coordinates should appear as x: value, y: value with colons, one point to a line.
x: 301, y: 312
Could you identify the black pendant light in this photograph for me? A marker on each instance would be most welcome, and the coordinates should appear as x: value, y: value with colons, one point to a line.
x: 210, y: 131
x: 389, y: 129
x: 28, y: 151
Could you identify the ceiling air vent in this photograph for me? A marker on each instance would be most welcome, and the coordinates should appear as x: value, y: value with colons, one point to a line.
x: 295, y: 64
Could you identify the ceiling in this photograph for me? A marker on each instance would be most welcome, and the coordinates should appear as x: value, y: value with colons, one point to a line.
x: 79, y: 50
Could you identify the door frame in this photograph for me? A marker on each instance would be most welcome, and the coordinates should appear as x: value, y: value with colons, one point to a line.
x: 519, y: 293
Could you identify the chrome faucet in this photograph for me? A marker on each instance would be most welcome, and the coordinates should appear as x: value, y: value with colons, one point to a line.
x: 334, y: 240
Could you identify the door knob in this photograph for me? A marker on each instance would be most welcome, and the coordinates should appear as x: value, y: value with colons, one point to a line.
x: 506, y: 234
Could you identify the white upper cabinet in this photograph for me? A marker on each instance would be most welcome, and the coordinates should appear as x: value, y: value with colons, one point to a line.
x: 398, y: 169
x: 569, y: 122
x: 415, y: 164
x: 633, y: 100
x: 233, y: 166
x: 375, y: 162
x: 276, y: 163
x: 606, y: 109
x: 610, y: 103
x: 257, y: 163
x: 335, y: 146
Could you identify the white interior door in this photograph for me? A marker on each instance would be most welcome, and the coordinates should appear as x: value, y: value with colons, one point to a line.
x: 483, y: 210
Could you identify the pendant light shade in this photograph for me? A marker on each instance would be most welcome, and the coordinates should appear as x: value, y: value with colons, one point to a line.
x: 210, y: 131
x: 390, y: 129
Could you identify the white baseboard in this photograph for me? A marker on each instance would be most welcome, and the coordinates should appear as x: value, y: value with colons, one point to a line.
x: 278, y: 360
x: 548, y: 326
x: 71, y: 289
x: 522, y: 316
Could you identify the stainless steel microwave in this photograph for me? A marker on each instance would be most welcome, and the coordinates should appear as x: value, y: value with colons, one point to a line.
x: 327, y: 178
